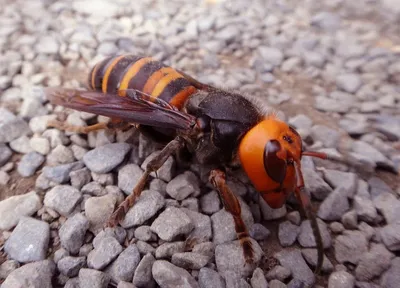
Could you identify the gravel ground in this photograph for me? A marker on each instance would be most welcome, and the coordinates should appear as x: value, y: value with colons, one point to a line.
x: 332, y: 69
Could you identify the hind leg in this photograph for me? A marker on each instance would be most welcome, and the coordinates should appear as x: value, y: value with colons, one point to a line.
x: 232, y: 205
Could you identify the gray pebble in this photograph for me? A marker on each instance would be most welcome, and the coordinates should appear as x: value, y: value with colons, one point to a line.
x: 341, y: 279
x: 107, y: 250
x: 72, y: 233
x: 276, y: 284
x: 158, y: 185
x: 103, y: 179
x: 60, y: 254
x: 346, y: 180
x: 143, y: 233
x: 327, y: 21
x: 209, y: 278
x: 128, y: 177
x: 85, y: 249
x: 183, y: 185
x: 7, y: 267
x: 388, y: 205
x: 105, y: 158
x: 13, y: 129
x: 259, y: 232
x: 270, y: 213
x: 94, y: 188
x: 79, y: 177
x: 373, y: 263
x: 202, y: 225
x: 349, y: 82
x: 378, y: 187
x: 148, y: 204
x: 60, y: 173
x: 318, y: 188
x: 166, y: 250
x: 391, y: 277
x: 30, y: 163
x: 5, y: 154
x: 123, y: 284
x: 311, y: 257
x: 288, y: 233
x: 72, y: 283
x: 15, y: 207
x: 63, y: 199
x: 118, y: 233
x: 229, y: 257
x: 365, y: 209
x: 206, y: 248
x: 29, y: 240
x: 293, y: 260
x: 123, y: 268
x: 258, y: 279
x: 171, y: 223
x: 60, y: 155
x: 350, y: 246
x: 191, y: 204
x: 90, y: 278
x: 190, y: 260
x: 391, y: 237
x: 144, y: 274
x: 210, y: 203
x: 37, y: 274
x: 335, y: 205
x: 70, y: 266
x: 21, y: 145
x: 145, y: 248
x: 278, y: 272
x: 98, y: 210
x: 271, y: 55
x: 169, y: 276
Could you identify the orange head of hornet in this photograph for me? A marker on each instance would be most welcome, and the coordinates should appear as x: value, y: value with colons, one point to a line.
x: 269, y: 154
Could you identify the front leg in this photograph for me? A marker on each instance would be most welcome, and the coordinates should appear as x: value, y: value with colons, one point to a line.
x: 232, y: 205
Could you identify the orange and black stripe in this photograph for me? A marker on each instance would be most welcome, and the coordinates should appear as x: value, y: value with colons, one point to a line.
x: 145, y: 74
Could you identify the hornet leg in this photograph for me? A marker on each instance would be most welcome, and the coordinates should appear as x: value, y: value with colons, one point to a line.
x: 232, y: 205
x: 86, y: 129
x: 152, y: 166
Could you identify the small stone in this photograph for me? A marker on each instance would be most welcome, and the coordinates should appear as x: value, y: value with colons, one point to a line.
x: 276, y: 284
x: 98, y: 210
x: 270, y: 213
x: 258, y: 279
x: 7, y: 267
x: 60, y: 254
x: 278, y: 272
x: 14, y: 208
x: 259, y: 232
x: 30, y: 163
x: 60, y: 174
x: 143, y: 275
x: 391, y: 277
x: 171, y: 223
x: 123, y: 268
x: 94, y: 188
x: 311, y: 257
x: 190, y: 260
x: 168, y: 275
x: 229, y: 257
x: 210, y: 202
x: 72, y: 233
x: 349, y: 220
x: 183, y: 185
x: 47, y: 44
x: 107, y: 250
x: 365, y: 209
x: 368, y: 231
x: 166, y: 250
x: 390, y: 235
x: 148, y: 204
x: 5, y: 154
x: 13, y: 129
x: 21, y: 145
x: 118, y: 233
x: 29, y: 240
x: 63, y: 199
x: 272, y: 55
x: 60, y: 155
x: 317, y: 187
x: 158, y: 185
x: 294, y: 217
x: 80, y: 177
x: 373, y: 263
x: 350, y: 246
x: 191, y: 204
x: 327, y: 21
x: 105, y: 158
x: 341, y: 279
x: 202, y: 225
x: 70, y: 266
x: 349, y: 82
x: 128, y: 177
x: 123, y: 284
x: 103, y: 179
x: 335, y: 205
x: 145, y: 248
x: 72, y: 283
x: 165, y: 172
x: 205, y: 248
x: 388, y: 205
x: 89, y: 278
x: 288, y: 233
x: 143, y: 233
x: 348, y: 181
x: 37, y: 274
x: 40, y: 145
x: 209, y: 278
x: 293, y: 260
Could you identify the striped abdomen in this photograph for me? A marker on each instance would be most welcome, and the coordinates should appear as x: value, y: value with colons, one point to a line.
x: 141, y: 73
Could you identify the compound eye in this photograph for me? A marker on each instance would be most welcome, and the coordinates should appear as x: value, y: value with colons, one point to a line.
x: 275, y: 161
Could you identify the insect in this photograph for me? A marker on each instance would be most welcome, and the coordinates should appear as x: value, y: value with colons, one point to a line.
x: 220, y: 128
